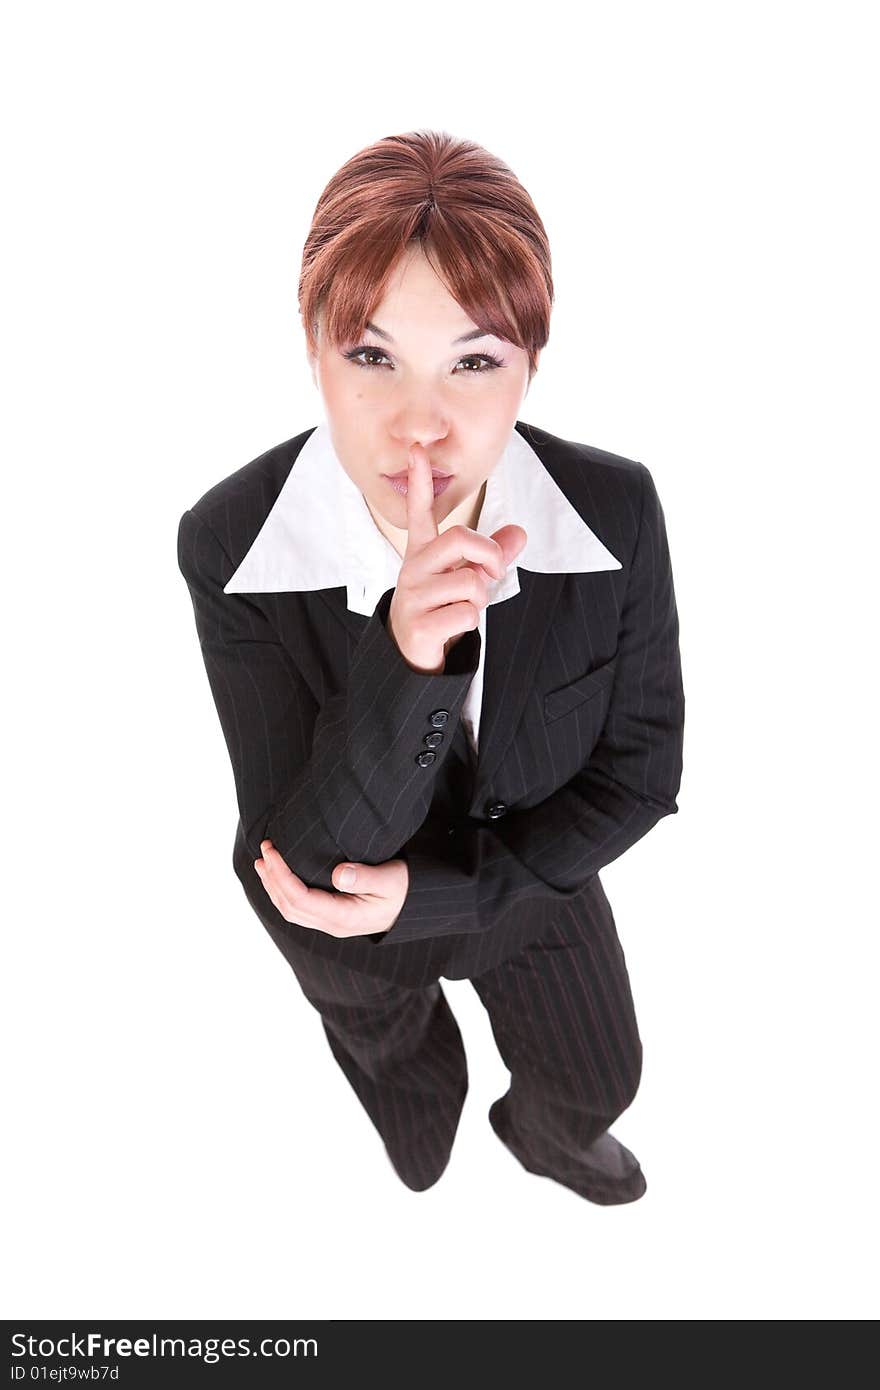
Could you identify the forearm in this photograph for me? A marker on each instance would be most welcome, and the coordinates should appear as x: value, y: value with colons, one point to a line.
x: 370, y: 779
x: 351, y: 778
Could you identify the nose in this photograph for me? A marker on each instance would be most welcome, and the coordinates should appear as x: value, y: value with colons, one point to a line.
x: 430, y: 436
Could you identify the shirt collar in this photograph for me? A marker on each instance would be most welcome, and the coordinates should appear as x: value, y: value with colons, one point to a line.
x: 319, y: 533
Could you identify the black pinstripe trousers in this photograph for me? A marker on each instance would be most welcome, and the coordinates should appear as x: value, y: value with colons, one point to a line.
x: 562, y: 1015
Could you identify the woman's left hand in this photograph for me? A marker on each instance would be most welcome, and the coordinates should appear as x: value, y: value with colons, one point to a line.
x: 371, y: 903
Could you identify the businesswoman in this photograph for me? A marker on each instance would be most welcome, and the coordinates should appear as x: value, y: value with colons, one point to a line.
x: 443, y: 647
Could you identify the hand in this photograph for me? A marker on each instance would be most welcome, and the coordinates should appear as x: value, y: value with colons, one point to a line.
x: 437, y: 599
x: 371, y: 904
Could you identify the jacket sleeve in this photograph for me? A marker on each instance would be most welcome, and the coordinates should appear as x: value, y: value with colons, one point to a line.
x: 630, y: 781
x: 329, y: 783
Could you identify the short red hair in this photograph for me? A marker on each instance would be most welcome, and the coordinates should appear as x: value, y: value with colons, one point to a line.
x: 473, y: 218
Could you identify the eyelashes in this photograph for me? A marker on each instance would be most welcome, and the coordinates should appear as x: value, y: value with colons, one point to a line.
x: 491, y: 363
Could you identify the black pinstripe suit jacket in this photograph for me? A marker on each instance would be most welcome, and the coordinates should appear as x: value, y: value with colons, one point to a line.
x: 581, y: 727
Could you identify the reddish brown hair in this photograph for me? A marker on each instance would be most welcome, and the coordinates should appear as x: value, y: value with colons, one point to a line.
x: 473, y: 218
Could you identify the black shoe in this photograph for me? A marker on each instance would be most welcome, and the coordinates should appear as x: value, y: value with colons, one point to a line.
x: 418, y: 1177
x: 606, y: 1153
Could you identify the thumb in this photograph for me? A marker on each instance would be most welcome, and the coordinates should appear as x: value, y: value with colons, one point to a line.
x: 374, y: 879
x: 347, y: 877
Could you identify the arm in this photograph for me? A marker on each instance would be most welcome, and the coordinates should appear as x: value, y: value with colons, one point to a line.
x: 548, y: 852
x: 330, y: 783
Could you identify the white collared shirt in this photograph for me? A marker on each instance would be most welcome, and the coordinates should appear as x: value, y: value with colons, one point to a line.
x: 320, y: 534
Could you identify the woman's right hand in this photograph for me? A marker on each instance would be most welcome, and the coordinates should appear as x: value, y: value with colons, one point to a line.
x: 444, y: 580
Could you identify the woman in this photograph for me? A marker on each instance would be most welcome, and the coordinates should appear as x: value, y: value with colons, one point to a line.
x: 443, y: 647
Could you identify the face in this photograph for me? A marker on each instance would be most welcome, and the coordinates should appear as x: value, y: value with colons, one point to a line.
x: 413, y: 383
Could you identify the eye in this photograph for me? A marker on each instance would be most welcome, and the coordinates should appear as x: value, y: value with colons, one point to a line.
x: 486, y: 357
x: 489, y: 362
x: 362, y: 351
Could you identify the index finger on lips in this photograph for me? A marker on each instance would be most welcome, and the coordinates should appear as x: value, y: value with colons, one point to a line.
x: 421, y: 523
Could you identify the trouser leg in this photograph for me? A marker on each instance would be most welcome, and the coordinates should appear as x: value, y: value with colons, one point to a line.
x: 401, y: 1049
x: 562, y: 1015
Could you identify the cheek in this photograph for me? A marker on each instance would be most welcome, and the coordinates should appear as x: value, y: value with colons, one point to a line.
x: 337, y: 386
x: 496, y: 400
x: 489, y: 415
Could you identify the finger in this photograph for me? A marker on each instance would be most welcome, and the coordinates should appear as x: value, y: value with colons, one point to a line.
x: 421, y: 523
x: 511, y: 538
x: 462, y: 547
x: 292, y: 887
x: 281, y: 875
x: 337, y: 914
x: 301, y: 907
x: 274, y: 860
x: 269, y: 886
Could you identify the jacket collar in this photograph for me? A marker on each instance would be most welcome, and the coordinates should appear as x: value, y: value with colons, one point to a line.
x: 319, y: 533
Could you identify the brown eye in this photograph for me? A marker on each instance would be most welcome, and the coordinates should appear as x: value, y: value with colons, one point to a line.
x: 360, y: 352
x: 481, y: 357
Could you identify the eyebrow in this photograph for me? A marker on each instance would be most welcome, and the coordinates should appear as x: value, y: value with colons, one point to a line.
x: 465, y: 337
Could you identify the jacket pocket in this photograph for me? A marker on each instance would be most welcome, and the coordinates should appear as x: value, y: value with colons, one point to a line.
x: 568, y: 697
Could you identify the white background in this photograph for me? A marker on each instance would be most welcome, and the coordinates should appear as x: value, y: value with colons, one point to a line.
x: 181, y: 1142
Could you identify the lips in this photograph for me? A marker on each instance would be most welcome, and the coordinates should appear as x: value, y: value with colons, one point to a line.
x: 404, y: 474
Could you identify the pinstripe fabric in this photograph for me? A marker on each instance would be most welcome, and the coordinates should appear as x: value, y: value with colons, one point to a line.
x: 580, y: 738
x: 580, y: 753
x: 562, y: 1014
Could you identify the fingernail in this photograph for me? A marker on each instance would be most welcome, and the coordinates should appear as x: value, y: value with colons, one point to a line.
x: 347, y: 877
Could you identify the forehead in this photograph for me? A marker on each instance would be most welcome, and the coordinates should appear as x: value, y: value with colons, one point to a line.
x: 415, y: 296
